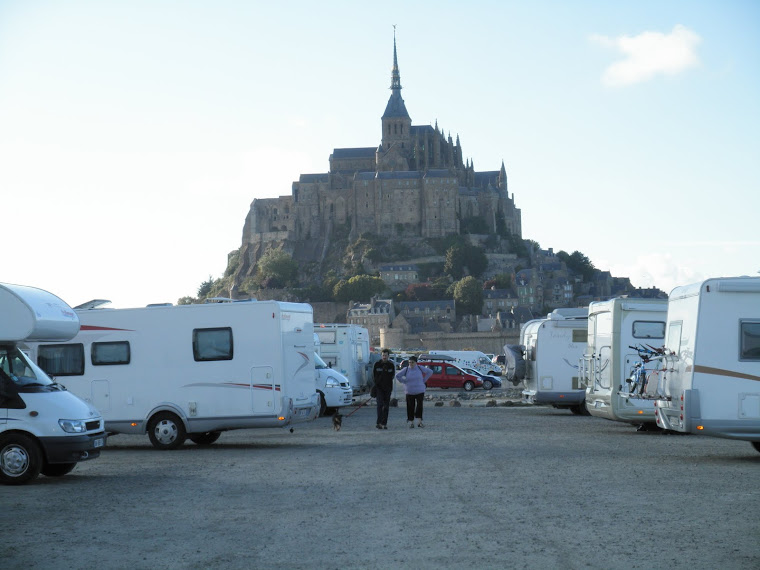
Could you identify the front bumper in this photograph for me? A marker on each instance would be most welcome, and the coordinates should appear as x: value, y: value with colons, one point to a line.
x: 73, y: 448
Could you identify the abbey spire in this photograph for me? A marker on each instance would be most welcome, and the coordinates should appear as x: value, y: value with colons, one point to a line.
x: 396, y: 121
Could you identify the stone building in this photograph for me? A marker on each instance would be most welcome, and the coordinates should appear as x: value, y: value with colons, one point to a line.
x: 399, y: 276
x: 373, y: 316
x: 417, y: 168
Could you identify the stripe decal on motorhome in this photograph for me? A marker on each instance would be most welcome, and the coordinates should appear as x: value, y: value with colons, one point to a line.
x: 95, y: 328
x: 722, y: 372
x: 234, y: 385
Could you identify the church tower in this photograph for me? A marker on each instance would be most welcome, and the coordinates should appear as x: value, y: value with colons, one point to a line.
x: 395, y: 148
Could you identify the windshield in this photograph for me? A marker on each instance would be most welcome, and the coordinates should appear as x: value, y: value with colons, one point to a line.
x: 23, y: 372
x: 472, y: 371
x: 319, y: 364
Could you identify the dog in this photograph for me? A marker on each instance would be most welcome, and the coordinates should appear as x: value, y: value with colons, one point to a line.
x: 337, y: 421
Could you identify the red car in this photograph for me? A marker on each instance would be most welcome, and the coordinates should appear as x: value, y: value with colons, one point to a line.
x: 450, y: 376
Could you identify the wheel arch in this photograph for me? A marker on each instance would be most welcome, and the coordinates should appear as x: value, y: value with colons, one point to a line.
x: 165, y: 407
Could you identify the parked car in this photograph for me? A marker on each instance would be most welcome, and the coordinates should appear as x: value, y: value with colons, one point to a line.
x: 488, y: 380
x: 451, y: 376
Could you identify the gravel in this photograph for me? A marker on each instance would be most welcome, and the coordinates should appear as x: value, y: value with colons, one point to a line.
x: 480, y: 486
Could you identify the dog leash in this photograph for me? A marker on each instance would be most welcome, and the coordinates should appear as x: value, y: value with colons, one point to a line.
x: 359, y: 406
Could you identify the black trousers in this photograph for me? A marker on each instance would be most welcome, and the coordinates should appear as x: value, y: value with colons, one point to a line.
x: 414, y: 406
x: 383, y: 405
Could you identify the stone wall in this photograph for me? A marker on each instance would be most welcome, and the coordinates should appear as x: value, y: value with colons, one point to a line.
x: 489, y: 342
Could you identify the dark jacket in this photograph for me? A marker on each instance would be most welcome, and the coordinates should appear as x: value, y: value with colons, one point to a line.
x: 384, y: 373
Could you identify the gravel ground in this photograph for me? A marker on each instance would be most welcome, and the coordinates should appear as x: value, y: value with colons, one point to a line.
x: 477, y: 487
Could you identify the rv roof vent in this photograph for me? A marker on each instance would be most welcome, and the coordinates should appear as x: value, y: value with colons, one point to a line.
x: 159, y: 305
x: 94, y: 304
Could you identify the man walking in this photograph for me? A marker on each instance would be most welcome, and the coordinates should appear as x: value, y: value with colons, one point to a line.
x: 384, y: 371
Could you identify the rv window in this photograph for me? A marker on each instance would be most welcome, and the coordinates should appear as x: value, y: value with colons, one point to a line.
x: 674, y: 337
x: 326, y: 337
x: 580, y: 335
x: 61, y: 359
x: 750, y: 340
x: 648, y: 329
x: 110, y: 353
x: 212, y: 344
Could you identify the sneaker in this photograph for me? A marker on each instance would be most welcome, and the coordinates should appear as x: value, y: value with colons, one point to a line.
x: 420, y: 424
x: 385, y: 427
x: 378, y: 426
x: 411, y: 424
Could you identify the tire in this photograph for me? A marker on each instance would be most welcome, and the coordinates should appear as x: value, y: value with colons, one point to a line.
x: 322, y: 404
x: 576, y: 410
x: 487, y: 385
x: 20, y: 459
x: 57, y: 469
x: 756, y: 445
x: 166, y: 431
x: 468, y: 386
x: 206, y: 438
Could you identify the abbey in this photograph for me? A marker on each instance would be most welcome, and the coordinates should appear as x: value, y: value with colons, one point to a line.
x: 414, y: 184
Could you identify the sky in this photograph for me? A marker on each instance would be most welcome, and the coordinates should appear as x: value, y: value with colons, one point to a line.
x: 135, y: 135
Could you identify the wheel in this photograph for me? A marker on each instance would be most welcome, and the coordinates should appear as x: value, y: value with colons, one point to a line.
x: 576, y: 410
x: 487, y: 384
x: 166, y: 431
x: 468, y: 386
x: 756, y: 445
x: 57, y: 469
x: 322, y: 404
x: 206, y: 438
x: 20, y: 459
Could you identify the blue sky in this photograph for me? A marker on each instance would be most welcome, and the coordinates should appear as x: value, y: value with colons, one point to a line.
x: 134, y: 135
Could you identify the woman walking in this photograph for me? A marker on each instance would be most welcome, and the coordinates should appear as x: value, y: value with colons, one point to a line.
x: 413, y: 377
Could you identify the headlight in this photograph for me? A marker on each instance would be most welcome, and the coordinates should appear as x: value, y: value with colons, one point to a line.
x: 331, y: 382
x: 73, y: 426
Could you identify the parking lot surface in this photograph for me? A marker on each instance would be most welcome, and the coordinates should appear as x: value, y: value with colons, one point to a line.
x: 477, y: 487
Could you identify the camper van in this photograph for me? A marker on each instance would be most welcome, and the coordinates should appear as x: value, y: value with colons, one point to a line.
x: 554, y: 345
x: 333, y: 388
x: 712, y: 383
x: 471, y: 359
x: 191, y: 371
x: 345, y: 348
x: 43, y: 427
x: 617, y: 329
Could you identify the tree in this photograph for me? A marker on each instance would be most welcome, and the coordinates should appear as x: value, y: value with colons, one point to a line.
x: 461, y: 256
x: 205, y: 288
x: 468, y: 295
x: 578, y: 263
x: 455, y: 259
x: 358, y: 288
x: 276, y: 269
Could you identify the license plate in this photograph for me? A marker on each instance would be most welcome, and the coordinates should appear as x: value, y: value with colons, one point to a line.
x: 303, y: 412
x: 100, y: 442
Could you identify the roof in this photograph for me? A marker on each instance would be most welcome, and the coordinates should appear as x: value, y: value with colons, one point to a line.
x: 364, y: 152
x: 395, y: 107
x: 442, y: 304
x: 313, y: 178
x: 408, y: 267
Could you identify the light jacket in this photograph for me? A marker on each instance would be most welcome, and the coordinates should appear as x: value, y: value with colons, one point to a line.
x: 414, y: 379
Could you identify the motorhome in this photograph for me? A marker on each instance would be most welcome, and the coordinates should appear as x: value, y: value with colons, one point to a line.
x: 712, y: 360
x: 43, y: 427
x: 333, y: 388
x: 554, y: 346
x: 345, y: 348
x: 471, y: 359
x: 616, y: 329
x: 191, y: 371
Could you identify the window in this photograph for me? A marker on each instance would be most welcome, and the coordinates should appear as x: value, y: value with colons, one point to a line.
x: 750, y: 340
x: 212, y: 344
x: 451, y: 371
x: 110, y: 353
x: 579, y: 335
x: 673, y: 343
x: 62, y: 359
x: 648, y: 329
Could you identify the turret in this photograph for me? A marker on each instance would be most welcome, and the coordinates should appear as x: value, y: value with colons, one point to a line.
x: 397, y: 125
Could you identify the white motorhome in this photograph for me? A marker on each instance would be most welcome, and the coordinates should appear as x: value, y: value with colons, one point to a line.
x: 43, y: 427
x: 191, y: 370
x: 471, y: 359
x: 712, y: 380
x: 553, y: 346
x: 345, y: 348
x: 615, y: 329
x: 333, y: 388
